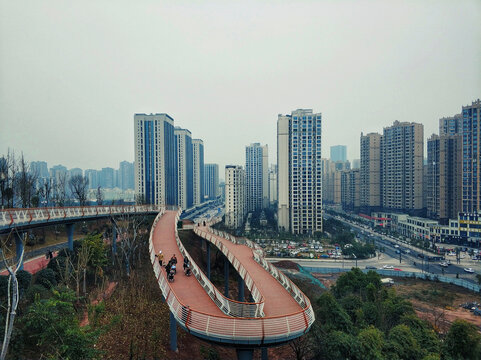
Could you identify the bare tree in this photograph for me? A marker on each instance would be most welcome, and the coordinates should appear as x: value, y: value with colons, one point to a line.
x: 8, y: 170
x: 100, y: 196
x: 130, y: 235
x: 78, y: 185
x: 25, y: 182
x: 46, y: 190
x: 13, y: 299
x: 60, y: 189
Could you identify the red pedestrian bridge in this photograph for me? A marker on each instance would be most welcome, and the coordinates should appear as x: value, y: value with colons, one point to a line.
x: 277, y: 313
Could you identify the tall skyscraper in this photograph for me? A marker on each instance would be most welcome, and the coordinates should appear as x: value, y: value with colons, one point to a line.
x: 299, y: 176
x: 339, y: 153
x: 155, y: 168
x: 198, y: 170
x: 211, y: 181
x: 257, y: 180
x: 93, y: 177
x: 472, y: 157
x: 402, y: 161
x: 235, y: 196
x: 58, y: 171
x: 452, y: 125
x: 370, y: 173
x: 40, y: 168
x: 350, y: 186
x: 444, y: 180
x: 107, y: 180
x: 185, y: 168
x: 126, y: 175
x: 273, y: 184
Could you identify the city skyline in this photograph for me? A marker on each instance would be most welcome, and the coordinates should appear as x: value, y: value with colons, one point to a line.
x: 381, y: 84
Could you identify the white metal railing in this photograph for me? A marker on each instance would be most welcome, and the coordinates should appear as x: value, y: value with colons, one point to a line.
x: 19, y: 217
x: 231, y: 329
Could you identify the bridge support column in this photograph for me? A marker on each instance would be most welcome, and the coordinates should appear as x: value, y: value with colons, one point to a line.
x: 70, y: 236
x: 244, y: 354
x: 19, y: 247
x: 264, y: 355
x: 226, y: 277
x: 173, y: 332
x: 240, y: 283
x: 114, y: 240
x: 207, y: 244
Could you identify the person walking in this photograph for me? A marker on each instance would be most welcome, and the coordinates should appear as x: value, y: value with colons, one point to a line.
x: 160, y: 256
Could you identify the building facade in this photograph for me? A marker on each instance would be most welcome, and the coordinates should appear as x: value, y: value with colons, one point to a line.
x: 299, y: 176
x: 472, y: 157
x: 402, y: 168
x: 198, y: 170
x: 370, y: 173
x: 185, y: 167
x: 339, y: 153
x: 211, y: 181
x: 273, y: 184
x: 155, y: 172
x: 350, y: 190
x: 126, y: 175
x: 235, y: 196
x: 452, y: 125
x: 257, y: 180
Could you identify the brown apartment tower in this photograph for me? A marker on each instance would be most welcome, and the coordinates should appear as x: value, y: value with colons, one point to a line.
x: 370, y: 173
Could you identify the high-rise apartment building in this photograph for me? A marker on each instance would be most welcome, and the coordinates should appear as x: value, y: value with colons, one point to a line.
x: 402, y: 162
x: 39, y: 168
x: 339, y: 153
x: 93, y: 178
x: 452, y: 125
x: 107, y: 180
x: 126, y: 175
x: 185, y: 167
x: 155, y: 171
x: 472, y: 157
x: 257, y: 180
x: 273, y: 184
x: 235, y: 196
x: 444, y: 180
x: 58, y: 173
x: 198, y: 170
x: 350, y: 186
x: 211, y: 181
x: 370, y: 173
x: 299, y: 174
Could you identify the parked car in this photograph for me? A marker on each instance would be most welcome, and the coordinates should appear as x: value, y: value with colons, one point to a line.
x: 388, y: 267
x: 369, y: 267
x: 443, y: 264
x: 469, y: 270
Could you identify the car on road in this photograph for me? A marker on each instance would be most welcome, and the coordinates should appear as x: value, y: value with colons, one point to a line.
x: 388, y: 267
x: 397, y: 269
x: 396, y: 246
x: 469, y: 270
x: 369, y: 267
x: 443, y: 264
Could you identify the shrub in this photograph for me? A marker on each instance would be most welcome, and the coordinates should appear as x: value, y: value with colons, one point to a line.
x: 46, y: 278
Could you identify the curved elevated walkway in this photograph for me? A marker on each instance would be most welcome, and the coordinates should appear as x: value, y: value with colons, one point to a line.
x: 198, y: 307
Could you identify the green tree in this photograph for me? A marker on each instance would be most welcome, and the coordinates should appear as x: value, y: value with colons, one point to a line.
x: 51, y: 329
x: 423, y: 332
x: 402, y: 345
x: 462, y: 341
x: 331, y: 315
x: 371, y: 343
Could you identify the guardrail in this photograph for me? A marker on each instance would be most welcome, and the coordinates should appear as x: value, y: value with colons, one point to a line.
x: 404, y: 274
x: 258, y: 303
x: 228, y: 306
x: 22, y: 217
x: 226, y: 329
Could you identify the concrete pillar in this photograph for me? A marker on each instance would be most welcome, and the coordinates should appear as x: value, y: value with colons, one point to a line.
x: 114, y: 239
x: 264, y: 355
x: 244, y: 354
x: 70, y: 236
x: 207, y: 244
x: 226, y: 277
x: 19, y: 247
x: 173, y: 332
x: 240, y: 283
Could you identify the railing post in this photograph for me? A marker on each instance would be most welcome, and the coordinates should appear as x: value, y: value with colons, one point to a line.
x: 226, y: 277
x: 173, y: 332
x: 207, y: 244
x: 70, y: 236
x: 19, y: 247
x: 240, y: 283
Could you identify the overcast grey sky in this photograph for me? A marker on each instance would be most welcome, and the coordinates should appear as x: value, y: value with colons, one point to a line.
x: 73, y: 73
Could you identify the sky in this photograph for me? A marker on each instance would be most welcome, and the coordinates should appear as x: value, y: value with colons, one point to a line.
x: 73, y: 73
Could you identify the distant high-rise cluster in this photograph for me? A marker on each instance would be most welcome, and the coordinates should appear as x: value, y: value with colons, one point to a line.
x: 211, y: 181
x: 169, y: 162
x: 299, y: 172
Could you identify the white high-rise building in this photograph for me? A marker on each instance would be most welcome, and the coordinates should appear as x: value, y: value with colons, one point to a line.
x: 155, y: 159
x: 198, y: 170
x: 235, y: 196
x: 185, y: 165
x: 299, y: 176
x: 273, y: 184
x: 211, y: 181
x: 257, y: 178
